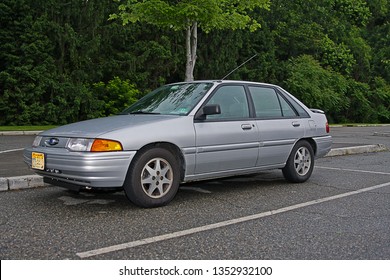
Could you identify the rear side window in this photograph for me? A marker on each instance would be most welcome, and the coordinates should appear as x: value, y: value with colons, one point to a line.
x: 269, y: 104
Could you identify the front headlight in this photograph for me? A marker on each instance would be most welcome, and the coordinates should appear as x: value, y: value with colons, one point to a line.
x: 93, y: 145
x: 79, y: 144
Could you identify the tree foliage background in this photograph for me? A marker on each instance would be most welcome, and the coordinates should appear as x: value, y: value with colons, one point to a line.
x: 64, y: 61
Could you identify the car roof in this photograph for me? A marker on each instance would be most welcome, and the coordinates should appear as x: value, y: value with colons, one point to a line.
x: 226, y: 82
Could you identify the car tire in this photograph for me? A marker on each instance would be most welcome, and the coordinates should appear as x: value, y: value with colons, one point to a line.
x: 153, y: 178
x: 300, y: 163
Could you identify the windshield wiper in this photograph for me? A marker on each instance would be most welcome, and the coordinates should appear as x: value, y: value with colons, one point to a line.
x: 143, y: 112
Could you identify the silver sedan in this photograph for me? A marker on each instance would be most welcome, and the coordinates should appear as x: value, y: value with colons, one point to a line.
x: 184, y: 132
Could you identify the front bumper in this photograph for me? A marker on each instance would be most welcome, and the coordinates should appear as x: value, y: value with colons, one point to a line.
x: 82, y: 169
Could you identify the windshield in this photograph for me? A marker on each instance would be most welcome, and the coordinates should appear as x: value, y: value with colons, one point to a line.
x: 175, y: 99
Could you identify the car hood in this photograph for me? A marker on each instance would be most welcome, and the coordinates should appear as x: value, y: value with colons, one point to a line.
x: 96, y: 127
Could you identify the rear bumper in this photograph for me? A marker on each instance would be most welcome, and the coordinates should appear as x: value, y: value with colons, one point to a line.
x: 323, y: 144
x: 82, y: 169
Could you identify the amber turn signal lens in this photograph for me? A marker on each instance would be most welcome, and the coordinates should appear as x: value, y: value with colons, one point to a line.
x: 102, y: 145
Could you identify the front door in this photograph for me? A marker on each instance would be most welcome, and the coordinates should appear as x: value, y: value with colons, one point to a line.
x: 227, y: 141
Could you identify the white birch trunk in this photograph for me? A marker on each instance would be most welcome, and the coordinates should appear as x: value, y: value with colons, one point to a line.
x: 191, y: 48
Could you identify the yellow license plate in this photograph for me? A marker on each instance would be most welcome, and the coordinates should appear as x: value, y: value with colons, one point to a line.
x: 38, y: 161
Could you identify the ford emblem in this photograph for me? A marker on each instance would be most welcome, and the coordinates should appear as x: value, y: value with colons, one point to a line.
x: 52, y: 141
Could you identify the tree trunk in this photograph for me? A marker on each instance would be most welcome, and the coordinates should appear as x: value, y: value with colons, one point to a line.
x: 191, y: 47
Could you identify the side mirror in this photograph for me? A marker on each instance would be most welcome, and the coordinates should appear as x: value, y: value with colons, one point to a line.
x: 209, y: 109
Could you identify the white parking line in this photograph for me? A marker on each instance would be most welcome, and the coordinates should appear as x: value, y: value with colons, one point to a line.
x: 353, y: 170
x: 8, y: 151
x: 177, y: 234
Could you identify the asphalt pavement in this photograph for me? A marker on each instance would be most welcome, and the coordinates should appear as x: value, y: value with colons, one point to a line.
x: 341, y: 213
x: 14, y: 173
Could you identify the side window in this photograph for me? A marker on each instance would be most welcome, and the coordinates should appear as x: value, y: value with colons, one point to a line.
x: 233, y: 103
x: 268, y: 104
x: 301, y: 112
x: 286, y: 109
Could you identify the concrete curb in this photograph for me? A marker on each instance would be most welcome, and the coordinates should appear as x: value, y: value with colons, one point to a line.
x: 21, y: 182
x: 34, y: 181
x: 16, y: 133
x: 357, y: 150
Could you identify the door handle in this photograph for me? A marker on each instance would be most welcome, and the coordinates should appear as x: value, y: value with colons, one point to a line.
x: 296, y: 124
x: 246, y: 126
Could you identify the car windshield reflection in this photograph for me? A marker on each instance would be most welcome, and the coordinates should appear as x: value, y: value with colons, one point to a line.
x: 175, y: 99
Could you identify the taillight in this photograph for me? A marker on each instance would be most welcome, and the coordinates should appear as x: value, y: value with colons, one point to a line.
x: 327, y: 127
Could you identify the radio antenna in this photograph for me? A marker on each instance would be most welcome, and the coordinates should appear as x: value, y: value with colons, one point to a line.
x: 249, y: 59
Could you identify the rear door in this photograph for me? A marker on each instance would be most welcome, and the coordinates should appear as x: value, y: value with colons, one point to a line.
x: 227, y: 141
x: 278, y: 123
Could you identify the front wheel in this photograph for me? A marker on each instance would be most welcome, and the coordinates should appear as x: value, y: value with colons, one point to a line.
x: 153, y: 178
x: 300, y: 163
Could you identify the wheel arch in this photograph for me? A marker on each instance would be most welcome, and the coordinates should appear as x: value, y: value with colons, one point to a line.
x: 174, y: 149
x: 312, y: 144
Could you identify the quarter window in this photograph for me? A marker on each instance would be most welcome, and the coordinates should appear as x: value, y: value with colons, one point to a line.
x: 286, y: 108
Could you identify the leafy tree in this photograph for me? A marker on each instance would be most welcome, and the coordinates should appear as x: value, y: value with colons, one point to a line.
x: 354, y: 11
x: 65, y: 61
x: 318, y: 87
x: 378, y: 38
x: 188, y: 15
x: 359, y: 97
x: 27, y: 68
x: 115, y: 96
x: 381, y: 100
x: 337, y: 56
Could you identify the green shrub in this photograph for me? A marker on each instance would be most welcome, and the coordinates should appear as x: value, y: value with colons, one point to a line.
x: 115, y: 96
x: 317, y: 87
